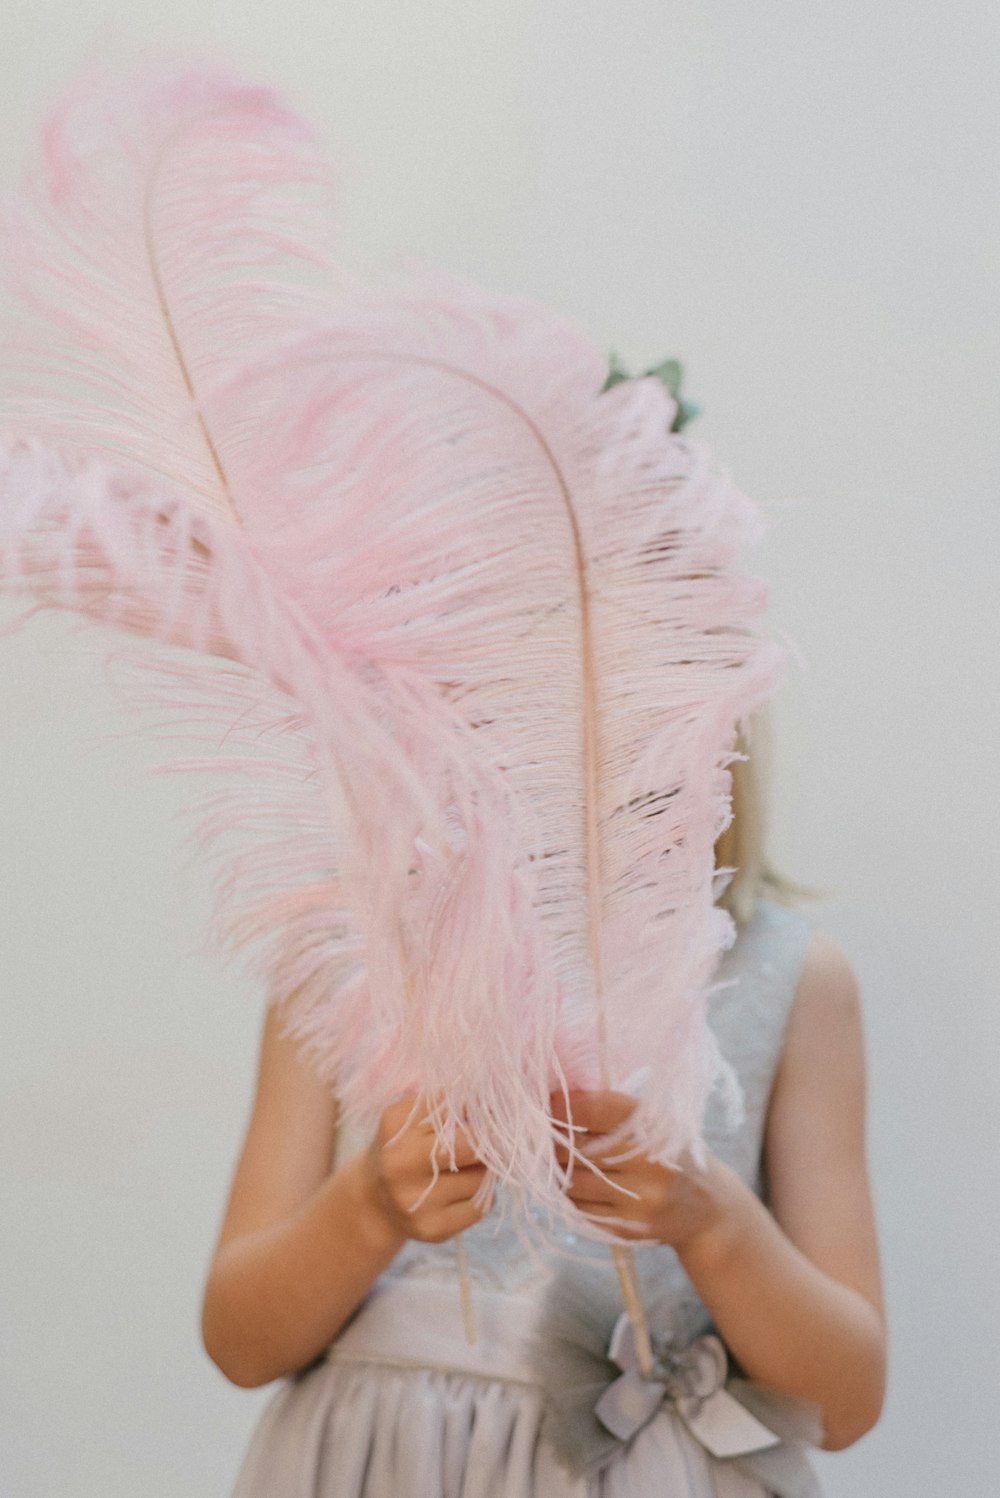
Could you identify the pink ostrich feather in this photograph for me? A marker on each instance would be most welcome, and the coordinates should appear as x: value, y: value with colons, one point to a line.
x: 566, y: 569
x: 174, y: 234
x: 481, y: 628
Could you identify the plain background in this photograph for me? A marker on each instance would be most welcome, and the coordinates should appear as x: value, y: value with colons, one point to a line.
x: 800, y: 203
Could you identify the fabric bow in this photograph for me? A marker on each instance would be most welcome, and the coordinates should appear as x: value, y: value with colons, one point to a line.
x: 695, y: 1380
x: 597, y: 1400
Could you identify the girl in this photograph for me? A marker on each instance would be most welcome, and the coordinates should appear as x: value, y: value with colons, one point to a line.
x: 323, y: 1278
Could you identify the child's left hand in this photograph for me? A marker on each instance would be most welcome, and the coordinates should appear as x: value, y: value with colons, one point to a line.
x: 676, y: 1206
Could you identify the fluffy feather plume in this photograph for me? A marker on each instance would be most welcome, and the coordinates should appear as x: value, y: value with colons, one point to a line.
x: 567, y: 571
x: 491, y: 622
x: 171, y: 238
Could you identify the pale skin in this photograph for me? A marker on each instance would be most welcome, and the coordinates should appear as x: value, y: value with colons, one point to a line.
x: 794, y: 1287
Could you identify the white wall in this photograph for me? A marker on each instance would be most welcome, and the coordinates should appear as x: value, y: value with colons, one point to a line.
x: 800, y: 203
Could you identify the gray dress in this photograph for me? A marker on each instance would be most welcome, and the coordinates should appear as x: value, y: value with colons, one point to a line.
x: 402, y: 1405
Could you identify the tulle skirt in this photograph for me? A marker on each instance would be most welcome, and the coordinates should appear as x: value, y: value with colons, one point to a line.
x: 402, y: 1407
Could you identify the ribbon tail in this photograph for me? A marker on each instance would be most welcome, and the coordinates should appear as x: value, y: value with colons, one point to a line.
x: 784, y: 1469
x: 724, y: 1426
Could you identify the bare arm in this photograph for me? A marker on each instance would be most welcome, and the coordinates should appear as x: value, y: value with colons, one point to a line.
x: 797, y: 1295
x: 300, y: 1247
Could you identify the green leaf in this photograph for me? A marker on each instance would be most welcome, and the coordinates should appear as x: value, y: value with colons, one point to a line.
x: 616, y: 374
x: 670, y: 373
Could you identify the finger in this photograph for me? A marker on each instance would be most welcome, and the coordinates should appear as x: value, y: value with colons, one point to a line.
x: 449, y: 1221
x: 615, y: 1218
x: 464, y: 1153
x: 431, y: 1118
x: 430, y: 1109
x: 400, y: 1120
x: 427, y: 1109
x: 597, y: 1112
x: 433, y: 1106
x: 458, y: 1185
x: 598, y: 1153
x: 592, y: 1147
x: 450, y: 1188
x: 590, y: 1188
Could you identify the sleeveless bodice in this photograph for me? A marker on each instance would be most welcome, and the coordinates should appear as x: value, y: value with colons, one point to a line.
x: 748, y: 1005
x: 410, y: 1401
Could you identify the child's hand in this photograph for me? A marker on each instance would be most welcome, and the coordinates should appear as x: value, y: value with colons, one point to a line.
x: 400, y: 1172
x: 675, y: 1206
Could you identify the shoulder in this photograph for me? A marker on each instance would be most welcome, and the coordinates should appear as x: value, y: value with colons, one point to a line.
x: 815, y: 1147
x: 826, y: 1003
x: 290, y: 1138
x: 826, y: 965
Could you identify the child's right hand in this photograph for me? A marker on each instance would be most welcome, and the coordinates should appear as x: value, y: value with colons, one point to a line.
x: 399, y: 1172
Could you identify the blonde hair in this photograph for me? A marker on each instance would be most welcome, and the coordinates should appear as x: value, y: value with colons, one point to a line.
x: 742, y: 846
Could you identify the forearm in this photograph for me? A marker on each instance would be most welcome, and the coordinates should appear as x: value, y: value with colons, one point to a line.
x: 787, y: 1323
x: 277, y: 1297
